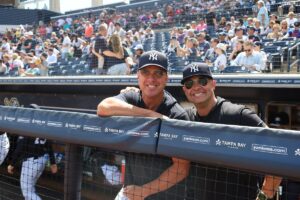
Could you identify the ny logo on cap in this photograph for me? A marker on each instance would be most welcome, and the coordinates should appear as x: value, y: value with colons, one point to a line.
x: 153, y: 56
x: 194, y: 68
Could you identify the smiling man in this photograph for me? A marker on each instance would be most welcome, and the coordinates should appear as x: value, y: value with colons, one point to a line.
x: 208, y: 182
x: 150, y: 176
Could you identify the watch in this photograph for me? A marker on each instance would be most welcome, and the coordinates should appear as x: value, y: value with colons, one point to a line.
x: 261, y: 195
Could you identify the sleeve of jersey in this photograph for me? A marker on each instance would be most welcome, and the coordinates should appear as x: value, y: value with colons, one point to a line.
x: 19, y: 151
x: 50, y: 152
x: 130, y: 97
x: 250, y: 118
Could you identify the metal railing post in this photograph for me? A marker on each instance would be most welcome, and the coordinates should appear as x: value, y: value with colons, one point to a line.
x: 73, y: 172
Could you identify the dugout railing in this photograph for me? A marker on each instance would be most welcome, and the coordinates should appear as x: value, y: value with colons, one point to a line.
x: 258, y: 150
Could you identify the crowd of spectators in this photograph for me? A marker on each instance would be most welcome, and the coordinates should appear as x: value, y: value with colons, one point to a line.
x: 107, y: 45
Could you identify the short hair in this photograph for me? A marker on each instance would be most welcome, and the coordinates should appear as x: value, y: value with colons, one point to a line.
x: 44, y: 55
x: 249, y: 43
x: 102, y: 27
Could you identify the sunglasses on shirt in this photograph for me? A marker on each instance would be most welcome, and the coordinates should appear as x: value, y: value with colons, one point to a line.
x: 201, y: 81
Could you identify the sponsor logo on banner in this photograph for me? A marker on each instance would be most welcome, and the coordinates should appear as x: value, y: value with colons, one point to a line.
x: 23, y: 120
x: 114, y: 131
x: 231, y: 144
x: 269, y: 149
x: 73, y: 126
x: 195, y: 139
x: 168, y: 136
x: 138, y: 134
x: 38, y: 122
x: 92, y: 128
x: 55, y: 124
x: 10, y: 119
x: 297, y: 152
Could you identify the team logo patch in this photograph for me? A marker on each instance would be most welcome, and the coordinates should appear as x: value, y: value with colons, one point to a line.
x: 153, y: 56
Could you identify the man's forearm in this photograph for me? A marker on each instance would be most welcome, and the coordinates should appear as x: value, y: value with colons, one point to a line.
x: 174, y: 174
x: 115, y: 107
x: 270, y: 185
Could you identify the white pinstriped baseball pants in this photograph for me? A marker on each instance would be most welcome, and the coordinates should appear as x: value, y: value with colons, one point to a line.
x: 4, y: 147
x: 31, y: 171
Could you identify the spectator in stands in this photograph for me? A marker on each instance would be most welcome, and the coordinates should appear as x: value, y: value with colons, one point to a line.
x: 202, y: 26
x: 211, y: 22
x: 258, y: 28
x: 189, y: 50
x: 139, y: 50
x: 29, y: 42
x: 85, y: 48
x: 159, y: 21
x: 245, y: 21
x: 210, y: 55
x: 239, y: 35
x: 100, y: 50
x: 16, y: 62
x: 54, y: 39
x: 221, y: 60
x: 51, y: 57
x: 89, y: 30
x: 116, y: 66
x: 208, y: 182
x: 34, y: 69
x: 110, y: 29
x: 295, y: 31
x: 291, y: 19
x: 7, y: 60
x: 250, y: 59
x: 275, y: 34
x: 223, y: 38
x: 262, y: 15
x: 76, y: 43
x: 149, y: 33
x: 222, y: 23
x: 3, y: 68
x: 284, y: 27
x: 20, y: 43
x: 258, y: 46
x: 119, y: 30
x: 251, y: 34
x: 141, y: 182
x: 5, y: 47
x: 269, y: 29
x: 44, y: 64
x: 229, y: 30
x: 66, y: 46
x: 239, y: 48
x: 274, y: 18
x: 203, y: 44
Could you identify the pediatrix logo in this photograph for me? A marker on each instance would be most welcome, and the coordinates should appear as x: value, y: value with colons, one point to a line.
x: 218, y: 142
x: 297, y: 152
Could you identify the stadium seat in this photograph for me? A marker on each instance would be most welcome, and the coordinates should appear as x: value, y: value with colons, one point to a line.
x: 276, y: 54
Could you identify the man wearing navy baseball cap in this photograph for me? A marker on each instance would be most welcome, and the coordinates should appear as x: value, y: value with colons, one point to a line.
x: 199, y: 88
x: 150, y: 176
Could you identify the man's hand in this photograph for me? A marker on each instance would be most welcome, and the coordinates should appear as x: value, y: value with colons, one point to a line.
x: 10, y: 169
x: 134, y: 192
x: 53, y: 168
x: 127, y: 89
